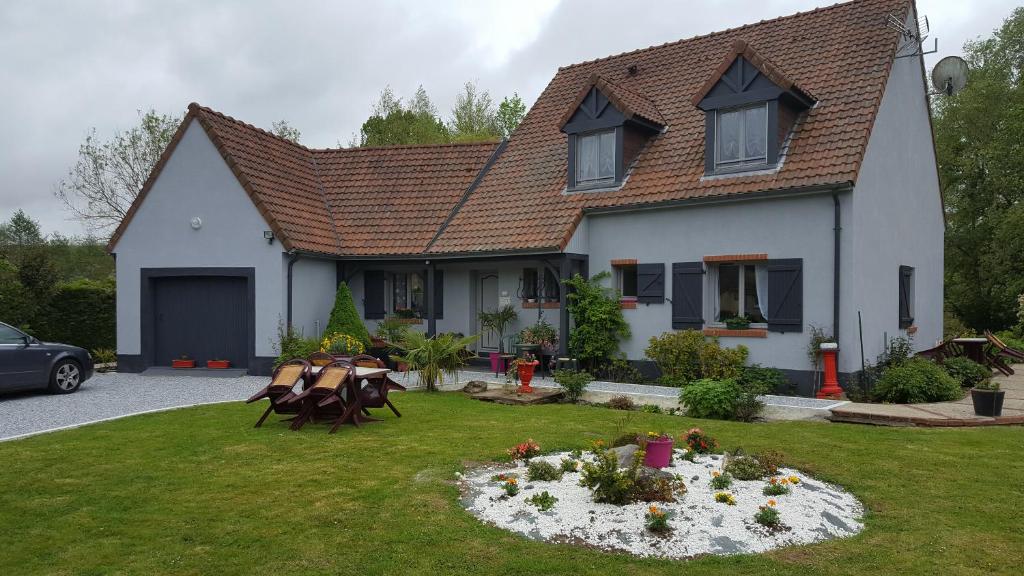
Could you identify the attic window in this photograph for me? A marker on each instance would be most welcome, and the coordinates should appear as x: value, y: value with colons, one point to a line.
x: 741, y: 137
x: 595, y: 157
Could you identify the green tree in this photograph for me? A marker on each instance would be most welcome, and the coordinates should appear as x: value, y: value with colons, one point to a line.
x: 19, y: 231
x: 103, y: 183
x: 473, y: 117
x: 17, y: 306
x: 978, y: 136
x: 393, y: 123
x: 345, y: 318
x: 511, y: 112
x: 284, y: 130
x: 598, y: 323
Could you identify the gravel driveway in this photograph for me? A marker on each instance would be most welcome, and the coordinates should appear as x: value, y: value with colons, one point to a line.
x: 110, y: 396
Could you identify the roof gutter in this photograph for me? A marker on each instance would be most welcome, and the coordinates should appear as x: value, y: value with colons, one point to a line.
x: 293, y: 257
x: 837, y: 188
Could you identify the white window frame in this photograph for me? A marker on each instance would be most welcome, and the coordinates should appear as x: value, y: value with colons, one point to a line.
x: 714, y: 292
x: 620, y: 281
x: 579, y: 147
x: 741, y: 163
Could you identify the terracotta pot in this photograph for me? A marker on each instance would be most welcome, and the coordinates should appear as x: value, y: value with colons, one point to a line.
x: 218, y: 364
x: 183, y: 363
x: 658, y: 453
x: 525, y: 370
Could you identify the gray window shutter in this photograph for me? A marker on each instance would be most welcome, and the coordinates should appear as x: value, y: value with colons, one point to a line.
x: 650, y: 283
x: 906, y: 319
x: 687, y: 295
x: 438, y: 293
x: 374, y: 295
x: 786, y: 295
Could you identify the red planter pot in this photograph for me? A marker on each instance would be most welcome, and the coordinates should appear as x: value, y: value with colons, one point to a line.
x: 218, y: 364
x: 525, y: 370
x: 658, y: 453
x: 183, y: 363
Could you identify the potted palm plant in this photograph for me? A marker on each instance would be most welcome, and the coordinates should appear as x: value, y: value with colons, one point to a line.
x: 434, y: 358
x: 498, y: 322
x: 987, y: 398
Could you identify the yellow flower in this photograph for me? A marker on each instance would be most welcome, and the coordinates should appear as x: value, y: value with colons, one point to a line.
x: 794, y: 479
x: 771, y: 502
x: 784, y: 481
x: 512, y: 481
x: 715, y: 474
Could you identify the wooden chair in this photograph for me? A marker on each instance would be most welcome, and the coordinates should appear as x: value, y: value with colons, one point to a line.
x: 997, y: 353
x: 375, y: 393
x: 1013, y: 353
x: 324, y: 400
x: 282, y: 389
x: 320, y: 359
x: 943, y: 350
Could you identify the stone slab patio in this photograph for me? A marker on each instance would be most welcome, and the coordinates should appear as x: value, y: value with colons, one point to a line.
x: 939, y: 414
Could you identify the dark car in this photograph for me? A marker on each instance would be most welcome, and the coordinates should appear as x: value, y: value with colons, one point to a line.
x: 26, y: 363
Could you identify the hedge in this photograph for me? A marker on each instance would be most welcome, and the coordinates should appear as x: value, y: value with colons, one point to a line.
x: 80, y: 313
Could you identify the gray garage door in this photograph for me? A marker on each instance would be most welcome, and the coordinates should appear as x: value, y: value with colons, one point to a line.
x: 204, y: 317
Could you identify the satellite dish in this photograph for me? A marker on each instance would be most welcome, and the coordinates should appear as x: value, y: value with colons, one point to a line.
x: 950, y: 75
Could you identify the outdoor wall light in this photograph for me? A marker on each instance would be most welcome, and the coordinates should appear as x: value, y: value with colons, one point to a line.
x: 196, y: 223
x: 268, y: 235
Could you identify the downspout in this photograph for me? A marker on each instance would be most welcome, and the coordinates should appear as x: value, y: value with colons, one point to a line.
x: 837, y: 229
x: 293, y: 257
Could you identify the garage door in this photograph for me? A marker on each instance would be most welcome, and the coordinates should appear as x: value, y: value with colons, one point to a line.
x: 204, y: 317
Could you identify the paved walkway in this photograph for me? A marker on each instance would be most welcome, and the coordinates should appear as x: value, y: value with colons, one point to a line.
x: 958, y: 413
x: 110, y: 396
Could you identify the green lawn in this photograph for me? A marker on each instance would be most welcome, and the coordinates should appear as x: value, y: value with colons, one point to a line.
x: 200, y: 491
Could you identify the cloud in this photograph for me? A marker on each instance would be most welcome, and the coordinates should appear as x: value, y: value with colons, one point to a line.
x: 71, y: 66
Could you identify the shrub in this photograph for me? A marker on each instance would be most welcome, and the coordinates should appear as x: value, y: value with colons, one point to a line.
x: 621, y: 403
x: 717, y: 363
x: 651, y: 409
x: 966, y: 372
x: 711, y: 399
x: 291, y: 344
x: 747, y: 407
x: 391, y: 329
x: 767, y: 515
x: 574, y: 383
x: 770, y: 460
x: 744, y: 467
x: 569, y: 465
x: 597, y: 318
x: 916, y: 380
x: 620, y: 370
x: 775, y: 487
x: 543, y: 501
x: 81, y: 313
x: 542, y: 470
x: 688, y: 355
x: 720, y: 481
x: 510, y: 486
x: 103, y: 356
x: 700, y: 442
x: 759, y: 380
x: 609, y: 484
x: 656, y: 520
x: 434, y: 358
x: 650, y: 488
x: 524, y: 450
x: 344, y: 318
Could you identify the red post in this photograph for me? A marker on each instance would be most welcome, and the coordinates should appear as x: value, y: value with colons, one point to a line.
x: 830, y: 388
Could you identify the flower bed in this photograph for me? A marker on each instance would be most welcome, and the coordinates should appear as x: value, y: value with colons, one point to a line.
x: 697, y: 524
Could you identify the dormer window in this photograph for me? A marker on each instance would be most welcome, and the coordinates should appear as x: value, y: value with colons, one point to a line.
x: 595, y: 157
x: 741, y: 137
x: 607, y: 126
x: 750, y: 108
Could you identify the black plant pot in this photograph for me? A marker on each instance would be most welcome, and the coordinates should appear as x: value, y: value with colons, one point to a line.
x: 987, y: 402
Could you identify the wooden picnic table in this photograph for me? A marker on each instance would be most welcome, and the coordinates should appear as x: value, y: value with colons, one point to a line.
x: 974, y: 348
x: 361, y: 372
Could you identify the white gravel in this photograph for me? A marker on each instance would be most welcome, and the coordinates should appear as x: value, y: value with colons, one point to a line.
x: 110, y: 396
x: 813, y: 511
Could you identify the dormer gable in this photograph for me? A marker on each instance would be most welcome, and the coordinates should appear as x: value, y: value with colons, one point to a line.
x: 607, y: 126
x: 750, y: 109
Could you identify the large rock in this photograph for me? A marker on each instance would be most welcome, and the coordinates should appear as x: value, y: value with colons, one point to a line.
x: 656, y: 473
x: 475, y: 387
x: 625, y: 454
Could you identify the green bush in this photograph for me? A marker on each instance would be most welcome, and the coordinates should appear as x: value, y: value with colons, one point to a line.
x: 688, y: 355
x: 744, y: 467
x: 345, y: 318
x: 620, y: 370
x: 541, y: 470
x: 609, y: 484
x: 711, y: 398
x: 748, y: 407
x: 81, y: 313
x: 621, y: 403
x: 965, y: 371
x: 573, y: 382
x: 291, y: 345
x: 598, y: 323
x: 914, y: 381
x: 759, y: 380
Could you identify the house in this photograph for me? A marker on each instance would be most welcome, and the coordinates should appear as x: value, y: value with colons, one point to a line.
x: 783, y: 171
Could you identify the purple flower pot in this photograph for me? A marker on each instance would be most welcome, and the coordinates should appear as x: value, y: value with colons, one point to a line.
x: 658, y: 453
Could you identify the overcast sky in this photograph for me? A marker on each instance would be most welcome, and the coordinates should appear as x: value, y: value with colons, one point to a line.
x: 68, y: 66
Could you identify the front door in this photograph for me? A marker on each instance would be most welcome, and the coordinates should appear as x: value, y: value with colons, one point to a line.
x: 487, y: 301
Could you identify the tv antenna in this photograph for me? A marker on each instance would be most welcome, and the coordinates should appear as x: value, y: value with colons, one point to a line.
x: 913, y: 35
x: 950, y: 75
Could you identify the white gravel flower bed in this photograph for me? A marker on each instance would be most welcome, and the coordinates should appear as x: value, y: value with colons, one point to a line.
x: 813, y: 511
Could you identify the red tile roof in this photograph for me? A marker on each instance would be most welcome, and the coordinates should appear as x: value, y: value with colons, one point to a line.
x: 408, y: 200
x: 841, y: 54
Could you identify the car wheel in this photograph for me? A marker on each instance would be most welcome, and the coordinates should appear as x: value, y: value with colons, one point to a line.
x: 66, y: 377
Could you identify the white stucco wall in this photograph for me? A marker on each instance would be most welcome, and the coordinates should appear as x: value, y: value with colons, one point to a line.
x: 795, y: 227
x: 897, y: 220
x: 313, y: 290
x: 196, y: 182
